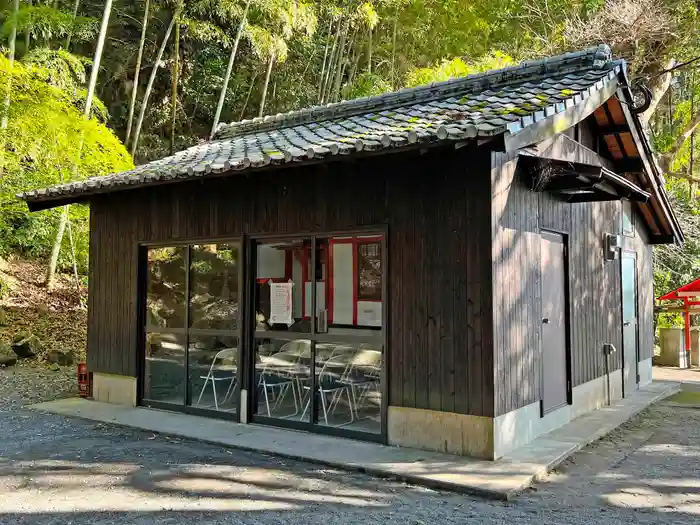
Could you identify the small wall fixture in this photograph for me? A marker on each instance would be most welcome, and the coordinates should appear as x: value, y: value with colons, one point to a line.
x: 613, y: 244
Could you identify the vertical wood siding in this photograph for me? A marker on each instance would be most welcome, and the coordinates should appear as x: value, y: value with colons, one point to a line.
x: 436, y: 208
x: 518, y: 216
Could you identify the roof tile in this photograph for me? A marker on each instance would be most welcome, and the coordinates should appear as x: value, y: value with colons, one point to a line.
x: 485, y: 104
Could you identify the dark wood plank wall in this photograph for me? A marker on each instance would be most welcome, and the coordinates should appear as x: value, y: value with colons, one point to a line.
x: 436, y: 207
x: 516, y: 288
x: 518, y: 215
x: 112, y: 301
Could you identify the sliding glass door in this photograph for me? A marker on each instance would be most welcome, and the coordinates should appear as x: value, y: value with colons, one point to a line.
x: 192, y: 327
x: 318, y: 332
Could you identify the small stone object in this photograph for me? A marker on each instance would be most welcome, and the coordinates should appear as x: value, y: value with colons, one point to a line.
x: 7, y: 360
x: 27, y: 346
x: 60, y: 358
x: 54, y: 367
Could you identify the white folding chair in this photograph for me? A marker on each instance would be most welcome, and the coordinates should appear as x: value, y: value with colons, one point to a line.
x: 278, y: 380
x: 217, y: 374
x: 363, y: 374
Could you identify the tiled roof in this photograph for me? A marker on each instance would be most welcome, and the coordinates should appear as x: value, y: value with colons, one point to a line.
x: 482, y: 105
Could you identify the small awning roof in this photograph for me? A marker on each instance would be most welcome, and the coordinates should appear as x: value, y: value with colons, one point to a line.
x: 579, y: 182
x: 686, y: 291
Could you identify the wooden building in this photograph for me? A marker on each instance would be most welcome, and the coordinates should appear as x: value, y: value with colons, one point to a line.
x: 457, y: 267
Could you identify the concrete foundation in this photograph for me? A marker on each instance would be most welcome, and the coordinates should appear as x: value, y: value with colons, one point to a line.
x: 119, y: 390
x: 519, y: 427
x: 446, y: 432
x: 459, y: 434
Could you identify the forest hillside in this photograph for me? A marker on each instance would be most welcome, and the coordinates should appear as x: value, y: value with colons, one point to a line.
x: 93, y: 87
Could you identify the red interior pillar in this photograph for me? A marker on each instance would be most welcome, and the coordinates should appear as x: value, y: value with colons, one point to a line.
x: 687, y: 332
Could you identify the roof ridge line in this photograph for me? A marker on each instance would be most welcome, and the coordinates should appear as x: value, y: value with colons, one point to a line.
x: 598, y: 56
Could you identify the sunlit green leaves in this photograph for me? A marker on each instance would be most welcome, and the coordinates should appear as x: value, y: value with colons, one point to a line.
x: 47, y: 23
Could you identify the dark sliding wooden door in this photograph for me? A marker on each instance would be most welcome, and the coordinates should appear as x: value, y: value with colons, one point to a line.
x: 554, y: 322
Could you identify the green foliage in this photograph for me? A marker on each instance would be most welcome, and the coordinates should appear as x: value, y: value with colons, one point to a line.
x: 47, y: 141
x: 367, y: 85
x: 61, y: 68
x: 205, y: 32
x: 47, y: 23
x: 457, y: 68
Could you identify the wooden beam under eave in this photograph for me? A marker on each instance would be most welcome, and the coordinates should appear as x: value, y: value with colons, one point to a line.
x: 563, y: 148
x: 649, y: 218
x: 649, y: 171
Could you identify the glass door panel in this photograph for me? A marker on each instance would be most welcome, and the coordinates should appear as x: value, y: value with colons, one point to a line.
x: 164, y: 371
x: 214, y: 324
x: 165, y: 334
x: 282, y: 330
x: 349, y: 339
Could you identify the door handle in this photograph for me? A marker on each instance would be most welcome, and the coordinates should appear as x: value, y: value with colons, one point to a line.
x: 626, y: 323
x: 545, y: 320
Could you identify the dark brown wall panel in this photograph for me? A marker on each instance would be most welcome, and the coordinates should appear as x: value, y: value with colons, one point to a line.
x: 436, y: 207
x: 518, y: 216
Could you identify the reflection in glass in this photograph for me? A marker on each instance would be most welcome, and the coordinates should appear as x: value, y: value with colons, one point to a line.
x: 369, y: 271
x: 282, y: 287
x: 282, y: 377
x: 165, y: 300
x: 348, y: 374
x: 164, y: 377
x: 213, y: 372
x: 214, y: 295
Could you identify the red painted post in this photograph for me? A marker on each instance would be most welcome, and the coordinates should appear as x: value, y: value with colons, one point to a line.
x: 687, y: 332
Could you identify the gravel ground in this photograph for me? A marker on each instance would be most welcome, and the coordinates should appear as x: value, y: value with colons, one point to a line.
x: 61, y: 471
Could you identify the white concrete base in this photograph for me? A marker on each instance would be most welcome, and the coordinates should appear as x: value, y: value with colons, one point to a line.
x: 645, y: 368
x: 519, y: 427
x: 119, y: 390
x: 459, y: 434
x: 244, y: 403
x: 594, y: 394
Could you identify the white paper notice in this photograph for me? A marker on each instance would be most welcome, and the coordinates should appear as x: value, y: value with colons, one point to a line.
x: 281, y: 303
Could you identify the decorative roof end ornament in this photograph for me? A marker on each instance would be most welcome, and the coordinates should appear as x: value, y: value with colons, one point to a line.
x: 641, y: 97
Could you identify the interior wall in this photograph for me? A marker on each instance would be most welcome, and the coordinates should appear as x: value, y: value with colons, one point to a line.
x: 434, y: 206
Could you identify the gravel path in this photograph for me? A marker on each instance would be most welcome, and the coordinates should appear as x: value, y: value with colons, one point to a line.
x: 60, y: 471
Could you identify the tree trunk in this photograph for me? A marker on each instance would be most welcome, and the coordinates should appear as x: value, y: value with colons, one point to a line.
x: 340, y: 62
x: 27, y: 34
x: 267, y: 84
x: 98, y: 57
x: 75, y: 14
x: 325, y: 58
x: 137, y: 72
x: 331, y: 64
x: 667, y: 158
x: 173, y: 87
x: 247, y: 98
x: 73, y: 258
x: 369, y: 52
x: 658, y: 89
x: 355, y: 64
x: 344, y: 65
x: 393, y: 50
x: 13, y: 41
x: 229, y: 68
x: 55, y: 250
x: 149, y: 86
